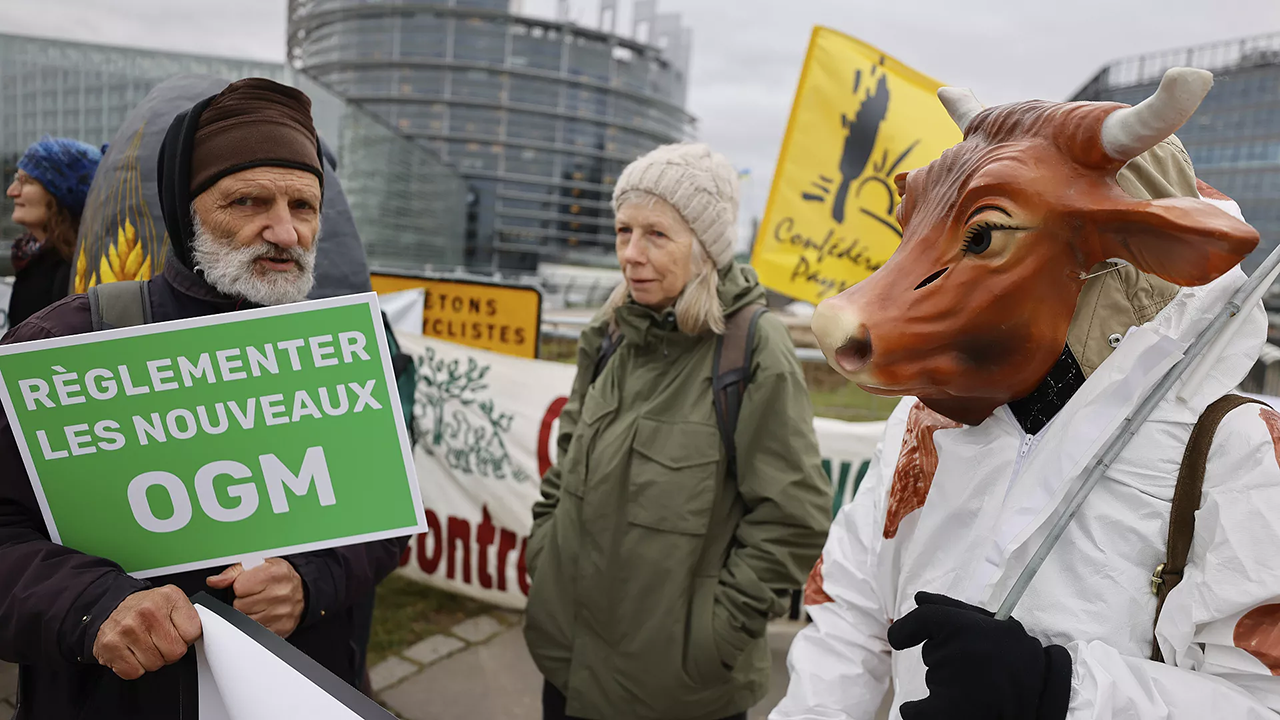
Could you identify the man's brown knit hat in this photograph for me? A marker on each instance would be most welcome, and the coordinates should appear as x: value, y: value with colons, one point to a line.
x: 254, y: 122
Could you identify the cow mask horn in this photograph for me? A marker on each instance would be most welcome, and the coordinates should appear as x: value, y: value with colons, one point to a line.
x: 961, y: 104
x: 1128, y: 132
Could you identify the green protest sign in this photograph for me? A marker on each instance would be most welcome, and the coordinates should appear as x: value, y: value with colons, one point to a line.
x: 200, y: 442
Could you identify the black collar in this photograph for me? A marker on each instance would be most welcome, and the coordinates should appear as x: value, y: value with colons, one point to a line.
x: 1035, y: 411
x: 194, y: 285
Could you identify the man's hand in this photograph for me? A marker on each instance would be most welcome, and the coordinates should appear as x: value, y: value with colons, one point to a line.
x: 270, y: 593
x: 148, y: 630
x: 980, y: 667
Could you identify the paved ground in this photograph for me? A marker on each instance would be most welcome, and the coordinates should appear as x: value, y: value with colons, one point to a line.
x: 497, y: 679
x: 479, y: 669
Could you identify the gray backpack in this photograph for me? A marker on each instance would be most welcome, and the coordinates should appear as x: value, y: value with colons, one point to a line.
x: 123, y: 303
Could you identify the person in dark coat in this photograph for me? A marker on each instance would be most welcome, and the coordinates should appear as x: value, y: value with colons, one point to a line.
x: 48, y: 194
x: 240, y: 188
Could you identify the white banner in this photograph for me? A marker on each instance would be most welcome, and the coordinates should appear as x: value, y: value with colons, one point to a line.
x: 245, y: 672
x: 484, y: 433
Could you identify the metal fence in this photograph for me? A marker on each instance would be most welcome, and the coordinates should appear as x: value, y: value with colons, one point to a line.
x: 577, y: 292
x: 566, y: 327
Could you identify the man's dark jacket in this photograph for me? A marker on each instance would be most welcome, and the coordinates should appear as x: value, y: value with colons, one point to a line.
x: 53, y: 599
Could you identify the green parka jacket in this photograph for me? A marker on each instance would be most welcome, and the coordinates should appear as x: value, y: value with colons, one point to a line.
x: 655, y: 572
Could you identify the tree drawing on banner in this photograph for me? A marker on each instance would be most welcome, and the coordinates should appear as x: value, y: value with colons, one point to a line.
x: 862, y: 132
x: 455, y: 422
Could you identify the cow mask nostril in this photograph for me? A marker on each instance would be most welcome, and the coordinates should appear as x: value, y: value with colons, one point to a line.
x: 929, y: 280
x: 856, y: 351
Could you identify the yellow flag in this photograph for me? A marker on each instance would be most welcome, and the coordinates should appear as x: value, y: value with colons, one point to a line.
x: 859, y: 118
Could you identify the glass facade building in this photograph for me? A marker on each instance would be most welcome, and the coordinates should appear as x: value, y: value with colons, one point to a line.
x: 1234, y: 138
x: 407, y: 203
x: 84, y: 92
x: 539, y: 116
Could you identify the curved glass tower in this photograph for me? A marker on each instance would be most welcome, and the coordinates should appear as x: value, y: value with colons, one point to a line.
x: 539, y: 116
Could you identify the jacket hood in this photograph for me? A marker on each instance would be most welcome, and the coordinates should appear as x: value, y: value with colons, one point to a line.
x: 173, y: 181
x: 739, y: 287
x: 173, y: 174
x: 1121, y: 297
x: 125, y: 198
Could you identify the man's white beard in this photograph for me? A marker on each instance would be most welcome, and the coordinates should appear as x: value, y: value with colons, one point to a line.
x: 233, y: 270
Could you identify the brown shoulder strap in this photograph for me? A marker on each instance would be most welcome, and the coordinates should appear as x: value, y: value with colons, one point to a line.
x: 1186, y: 500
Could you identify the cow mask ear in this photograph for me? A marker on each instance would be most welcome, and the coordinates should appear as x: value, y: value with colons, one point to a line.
x: 1186, y: 241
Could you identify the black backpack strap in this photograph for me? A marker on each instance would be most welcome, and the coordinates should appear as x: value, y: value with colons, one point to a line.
x: 733, y: 373
x: 123, y: 303
x: 1186, y: 500
x: 608, y: 347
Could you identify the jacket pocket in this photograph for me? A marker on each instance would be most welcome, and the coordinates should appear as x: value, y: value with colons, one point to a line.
x: 703, y: 655
x: 597, y: 407
x: 673, y: 475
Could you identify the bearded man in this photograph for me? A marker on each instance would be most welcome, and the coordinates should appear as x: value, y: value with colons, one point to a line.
x: 241, y: 185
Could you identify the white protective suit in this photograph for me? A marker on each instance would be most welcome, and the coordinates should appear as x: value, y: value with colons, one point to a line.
x: 995, y: 494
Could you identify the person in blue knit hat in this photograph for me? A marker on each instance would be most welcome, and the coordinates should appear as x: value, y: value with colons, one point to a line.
x: 48, y: 193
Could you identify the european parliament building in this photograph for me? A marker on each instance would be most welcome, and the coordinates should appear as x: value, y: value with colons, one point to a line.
x: 84, y: 92
x: 407, y: 203
x: 539, y: 116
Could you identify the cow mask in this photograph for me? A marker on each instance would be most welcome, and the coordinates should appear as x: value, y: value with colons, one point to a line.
x: 973, y: 308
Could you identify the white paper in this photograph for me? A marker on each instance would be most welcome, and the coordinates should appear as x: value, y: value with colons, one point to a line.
x: 404, y: 309
x: 241, y: 680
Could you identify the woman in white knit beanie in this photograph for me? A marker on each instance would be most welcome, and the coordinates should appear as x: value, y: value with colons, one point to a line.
x: 661, y: 547
x: 677, y: 220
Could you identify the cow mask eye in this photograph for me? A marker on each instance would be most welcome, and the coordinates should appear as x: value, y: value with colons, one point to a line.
x: 978, y: 240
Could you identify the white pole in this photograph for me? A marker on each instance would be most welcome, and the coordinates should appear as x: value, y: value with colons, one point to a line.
x: 1239, y: 303
x: 1202, y: 367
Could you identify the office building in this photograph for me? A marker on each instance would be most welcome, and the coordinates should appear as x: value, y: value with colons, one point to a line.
x: 539, y: 115
x: 407, y: 203
x: 1234, y: 138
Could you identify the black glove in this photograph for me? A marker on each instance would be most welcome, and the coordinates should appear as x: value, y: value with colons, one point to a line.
x: 980, y: 667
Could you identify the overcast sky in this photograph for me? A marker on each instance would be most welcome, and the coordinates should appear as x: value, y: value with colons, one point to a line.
x: 748, y: 53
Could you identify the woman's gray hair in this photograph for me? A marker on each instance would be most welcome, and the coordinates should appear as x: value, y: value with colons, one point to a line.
x: 698, y: 308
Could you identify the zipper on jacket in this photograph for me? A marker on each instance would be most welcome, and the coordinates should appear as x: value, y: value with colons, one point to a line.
x: 1028, y: 442
x: 994, y: 552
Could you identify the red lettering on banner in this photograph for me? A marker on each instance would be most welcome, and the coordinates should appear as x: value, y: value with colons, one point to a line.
x: 459, y: 536
x: 460, y: 544
x: 544, y: 434
x: 484, y: 538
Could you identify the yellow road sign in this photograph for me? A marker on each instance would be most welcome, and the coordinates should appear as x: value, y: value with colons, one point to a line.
x: 859, y: 118
x: 490, y: 316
